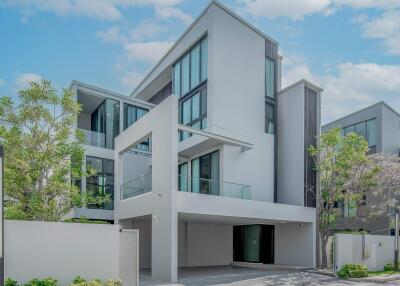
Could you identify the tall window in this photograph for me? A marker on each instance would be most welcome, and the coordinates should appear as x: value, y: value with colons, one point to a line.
x: 270, y: 77
x: 183, y: 177
x: 270, y: 101
x: 190, y: 70
x: 105, y: 120
x: 310, y: 135
x: 205, y: 174
x: 102, y: 183
x: 270, y: 118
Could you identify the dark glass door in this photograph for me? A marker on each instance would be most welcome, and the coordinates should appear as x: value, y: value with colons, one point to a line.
x: 253, y: 243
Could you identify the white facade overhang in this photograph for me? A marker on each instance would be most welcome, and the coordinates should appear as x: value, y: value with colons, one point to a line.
x: 203, y: 140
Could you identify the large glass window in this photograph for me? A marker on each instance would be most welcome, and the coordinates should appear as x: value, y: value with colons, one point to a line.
x: 193, y: 111
x: 367, y: 129
x: 204, y: 59
x: 205, y: 174
x: 191, y: 70
x: 269, y: 77
x: 132, y: 114
x: 177, y: 78
x: 102, y: 183
x: 371, y: 132
x: 183, y: 177
x: 185, y: 74
x: 195, y: 66
x: 105, y: 120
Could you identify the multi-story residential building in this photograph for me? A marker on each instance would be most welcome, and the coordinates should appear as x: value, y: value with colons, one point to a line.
x: 379, y: 124
x: 215, y: 171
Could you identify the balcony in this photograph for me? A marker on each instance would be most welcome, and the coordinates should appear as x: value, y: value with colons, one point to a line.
x: 214, y: 187
x: 142, y: 185
x: 136, y: 187
x: 93, y: 138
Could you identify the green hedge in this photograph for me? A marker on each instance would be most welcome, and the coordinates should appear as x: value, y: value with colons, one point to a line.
x: 353, y: 271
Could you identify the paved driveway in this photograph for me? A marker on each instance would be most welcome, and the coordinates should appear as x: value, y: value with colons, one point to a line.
x: 240, y: 276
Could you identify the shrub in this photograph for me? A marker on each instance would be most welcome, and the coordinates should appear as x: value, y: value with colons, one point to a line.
x: 113, y: 282
x: 353, y: 271
x: 10, y: 282
x: 389, y: 267
x: 44, y: 282
x: 79, y: 281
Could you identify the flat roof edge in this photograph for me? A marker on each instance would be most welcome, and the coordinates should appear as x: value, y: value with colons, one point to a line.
x: 301, y: 81
x: 361, y: 110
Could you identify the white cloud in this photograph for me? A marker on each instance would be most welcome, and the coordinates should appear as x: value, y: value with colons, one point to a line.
x: 358, y: 85
x: 149, y: 52
x: 351, y: 86
x: 2, y: 82
x: 111, y: 35
x: 296, y: 10
x: 385, y: 27
x: 365, y: 4
x: 130, y: 79
x: 100, y: 9
x: 22, y: 81
x: 165, y: 12
x: 146, y: 29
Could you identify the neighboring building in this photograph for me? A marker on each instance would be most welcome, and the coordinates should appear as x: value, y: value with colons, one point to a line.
x: 215, y: 172
x: 379, y: 124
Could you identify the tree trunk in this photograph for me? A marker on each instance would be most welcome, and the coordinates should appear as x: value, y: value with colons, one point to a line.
x: 324, y: 242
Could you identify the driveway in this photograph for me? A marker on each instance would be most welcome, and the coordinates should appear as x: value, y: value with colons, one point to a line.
x: 241, y: 276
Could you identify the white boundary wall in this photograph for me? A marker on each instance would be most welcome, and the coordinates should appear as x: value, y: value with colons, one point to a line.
x: 65, y: 250
x: 374, y: 251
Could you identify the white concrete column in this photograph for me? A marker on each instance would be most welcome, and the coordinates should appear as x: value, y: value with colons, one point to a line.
x: 161, y: 123
x: 164, y: 257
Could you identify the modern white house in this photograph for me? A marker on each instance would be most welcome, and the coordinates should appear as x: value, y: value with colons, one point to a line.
x: 207, y: 156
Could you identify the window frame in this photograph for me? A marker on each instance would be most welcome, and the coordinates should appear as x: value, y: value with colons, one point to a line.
x: 353, y: 126
x: 267, y: 119
x: 179, y: 60
x: 103, y: 186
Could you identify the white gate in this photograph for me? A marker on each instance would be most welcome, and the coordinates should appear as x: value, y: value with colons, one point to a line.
x: 129, y: 257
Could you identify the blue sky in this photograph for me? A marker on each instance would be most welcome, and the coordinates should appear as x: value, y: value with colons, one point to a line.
x: 349, y: 47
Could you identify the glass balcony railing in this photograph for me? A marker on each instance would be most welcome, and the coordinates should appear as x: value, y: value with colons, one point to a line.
x: 214, y: 187
x: 93, y: 138
x: 135, y: 187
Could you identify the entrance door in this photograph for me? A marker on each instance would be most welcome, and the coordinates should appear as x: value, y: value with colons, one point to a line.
x: 253, y: 243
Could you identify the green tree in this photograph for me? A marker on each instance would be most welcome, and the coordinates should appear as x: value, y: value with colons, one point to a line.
x: 43, y: 154
x: 338, y: 161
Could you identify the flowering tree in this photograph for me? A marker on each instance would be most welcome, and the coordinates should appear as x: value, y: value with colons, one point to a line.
x: 380, y: 190
x: 335, y: 159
